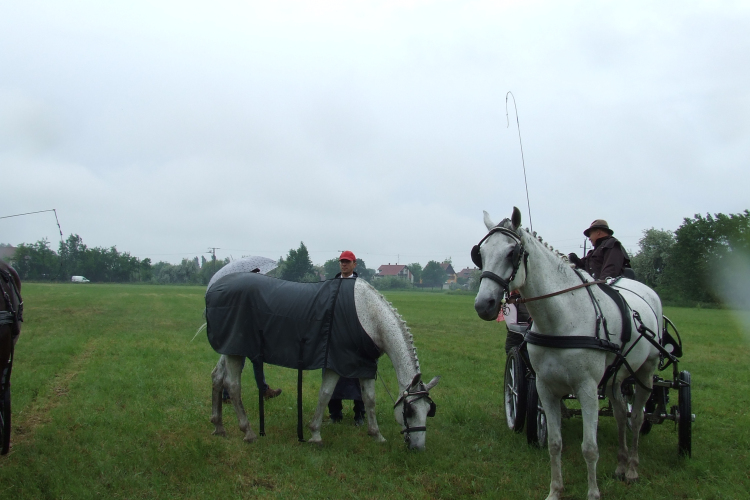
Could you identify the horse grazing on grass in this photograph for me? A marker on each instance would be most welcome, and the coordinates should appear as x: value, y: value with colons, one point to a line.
x: 310, y: 326
x: 11, y: 316
x: 580, y: 338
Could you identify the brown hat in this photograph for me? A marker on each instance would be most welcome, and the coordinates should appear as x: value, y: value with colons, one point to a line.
x: 599, y: 224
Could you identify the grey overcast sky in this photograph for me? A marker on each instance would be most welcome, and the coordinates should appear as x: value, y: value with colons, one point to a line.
x: 165, y: 128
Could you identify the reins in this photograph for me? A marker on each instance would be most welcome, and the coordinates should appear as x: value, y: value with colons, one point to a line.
x: 521, y: 300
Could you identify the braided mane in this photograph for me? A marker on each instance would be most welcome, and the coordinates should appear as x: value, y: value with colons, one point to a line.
x: 405, y: 330
x: 549, y: 247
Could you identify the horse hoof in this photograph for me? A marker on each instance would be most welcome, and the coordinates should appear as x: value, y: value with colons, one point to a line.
x: 631, y: 480
x: 221, y: 433
x: 620, y: 476
x: 250, y: 439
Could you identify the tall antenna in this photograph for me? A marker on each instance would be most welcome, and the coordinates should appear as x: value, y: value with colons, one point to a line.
x: 518, y: 125
x: 59, y: 272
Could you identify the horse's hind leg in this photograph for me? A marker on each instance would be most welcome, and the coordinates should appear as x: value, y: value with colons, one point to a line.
x: 218, y: 375
x: 619, y: 409
x: 636, y: 421
x: 326, y: 391
x: 368, y: 395
x: 234, y: 387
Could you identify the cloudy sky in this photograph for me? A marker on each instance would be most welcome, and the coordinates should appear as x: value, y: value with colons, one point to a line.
x: 166, y: 128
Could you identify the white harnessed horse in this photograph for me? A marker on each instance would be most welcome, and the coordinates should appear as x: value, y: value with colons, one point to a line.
x: 389, y: 332
x: 576, y: 335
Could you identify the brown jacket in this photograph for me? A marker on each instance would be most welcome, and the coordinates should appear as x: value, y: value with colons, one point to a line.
x: 606, y: 260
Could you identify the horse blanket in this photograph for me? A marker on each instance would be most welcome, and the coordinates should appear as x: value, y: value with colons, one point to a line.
x: 295, y: 325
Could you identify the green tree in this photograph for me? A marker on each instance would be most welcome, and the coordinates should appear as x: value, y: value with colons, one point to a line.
x: 331, y: 268
x: 433, y: 274
x: 703, y: 244
x: 36, y: 261
x: 651, y: 260
x: 416, y: 271
x: 298, y: 266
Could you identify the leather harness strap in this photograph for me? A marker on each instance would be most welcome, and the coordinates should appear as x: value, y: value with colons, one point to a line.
x: 521, y: 300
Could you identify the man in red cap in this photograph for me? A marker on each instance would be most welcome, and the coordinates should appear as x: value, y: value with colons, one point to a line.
x: 347, y: 388
x: 607, y: 259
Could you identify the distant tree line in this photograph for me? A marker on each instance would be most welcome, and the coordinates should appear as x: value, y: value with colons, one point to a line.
x: 680, y: 265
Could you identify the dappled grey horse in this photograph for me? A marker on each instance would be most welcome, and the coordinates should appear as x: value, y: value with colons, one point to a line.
x: 341, y: 325
x: 583, y: 334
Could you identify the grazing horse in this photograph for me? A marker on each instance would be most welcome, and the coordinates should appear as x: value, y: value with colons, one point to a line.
x: 302, y: 325
x: 583, y: 336
x: 11, y: 316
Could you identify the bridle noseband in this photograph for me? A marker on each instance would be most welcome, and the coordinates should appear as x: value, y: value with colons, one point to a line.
x: 418, y: 392
x: 517, y: 254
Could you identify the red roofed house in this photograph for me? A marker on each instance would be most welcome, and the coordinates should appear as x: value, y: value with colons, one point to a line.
x: 397, y: 270
x: 450, y: 272
x: 466, y: 272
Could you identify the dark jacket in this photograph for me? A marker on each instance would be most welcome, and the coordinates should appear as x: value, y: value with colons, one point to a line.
x: 606, y: 260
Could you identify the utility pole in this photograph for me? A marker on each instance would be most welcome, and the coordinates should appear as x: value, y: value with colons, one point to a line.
x: 212, y: 251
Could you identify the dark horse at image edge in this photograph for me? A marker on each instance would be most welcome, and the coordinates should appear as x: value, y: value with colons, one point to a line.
x: 11, y: 316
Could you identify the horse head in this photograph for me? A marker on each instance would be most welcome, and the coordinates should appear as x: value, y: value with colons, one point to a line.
x: 412, y: 409
x: 499, y: 255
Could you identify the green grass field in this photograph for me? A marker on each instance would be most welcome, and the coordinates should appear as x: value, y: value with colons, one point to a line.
x: 111, y: 399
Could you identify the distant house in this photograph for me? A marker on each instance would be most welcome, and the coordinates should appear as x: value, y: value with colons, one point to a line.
x: 396, y: 270
x: 466, y: 272
x: 449, y: 272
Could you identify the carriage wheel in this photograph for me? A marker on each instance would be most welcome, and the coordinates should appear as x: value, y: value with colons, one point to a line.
x: 685, y: 415
x: 515, y: 390
x: 536, y: 419
x: 4, y: 418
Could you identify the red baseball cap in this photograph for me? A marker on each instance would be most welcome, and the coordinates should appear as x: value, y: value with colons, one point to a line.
x: 347, y: 255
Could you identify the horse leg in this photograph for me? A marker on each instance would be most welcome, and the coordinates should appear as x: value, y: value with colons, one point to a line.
x: 551, y: 405
x: 368, y: 395
x: 218, y: 375
x: 636, y: 421
x: 619, y: 409
x: 589, y: 400
x: 233, y: 383
x: 330, y: 378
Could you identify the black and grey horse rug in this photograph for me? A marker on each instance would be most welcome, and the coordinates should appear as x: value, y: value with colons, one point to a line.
x: 305, y: 326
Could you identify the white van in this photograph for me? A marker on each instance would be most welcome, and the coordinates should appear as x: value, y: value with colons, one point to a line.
x: 79, y: 279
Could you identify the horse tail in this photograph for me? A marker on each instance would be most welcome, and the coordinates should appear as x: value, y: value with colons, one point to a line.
x: 202, y: 327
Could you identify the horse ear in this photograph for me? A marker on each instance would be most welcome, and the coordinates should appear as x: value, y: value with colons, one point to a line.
x: 516, y: 218
x: 487, y: 221
x: 432, y: 383
x: 417, y: 378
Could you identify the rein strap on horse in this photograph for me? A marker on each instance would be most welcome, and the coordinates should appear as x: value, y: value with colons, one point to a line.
x: 521, y: 300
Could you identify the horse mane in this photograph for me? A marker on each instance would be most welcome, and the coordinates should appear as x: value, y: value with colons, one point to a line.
x: 535, y: 238
x: 405, y: 330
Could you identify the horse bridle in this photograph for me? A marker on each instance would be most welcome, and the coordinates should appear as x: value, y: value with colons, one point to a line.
x: 517, y: 254
x: 419, y: 391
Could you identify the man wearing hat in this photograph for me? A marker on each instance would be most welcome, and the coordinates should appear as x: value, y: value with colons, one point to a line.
x: 607, y: 259
x: 347, y: 388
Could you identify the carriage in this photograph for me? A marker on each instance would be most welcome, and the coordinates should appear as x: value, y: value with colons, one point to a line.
x: 523, y: 409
